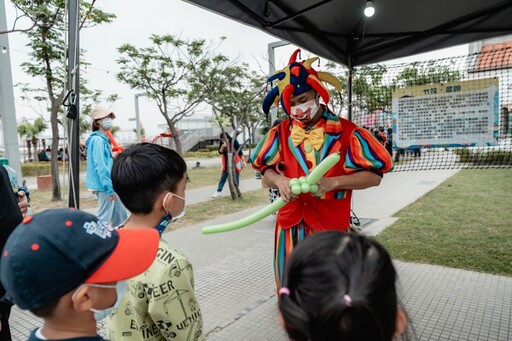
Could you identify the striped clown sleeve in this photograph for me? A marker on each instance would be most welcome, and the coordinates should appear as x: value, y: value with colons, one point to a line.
x: 266, y: 154
x: 366, y: 153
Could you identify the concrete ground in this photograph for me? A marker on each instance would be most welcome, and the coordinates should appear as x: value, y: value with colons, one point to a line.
x: 236, y: 290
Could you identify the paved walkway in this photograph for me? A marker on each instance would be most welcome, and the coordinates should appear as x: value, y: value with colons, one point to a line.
x: 235, y: 284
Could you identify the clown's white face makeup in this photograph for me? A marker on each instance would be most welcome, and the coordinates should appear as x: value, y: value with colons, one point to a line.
x: 304, y: 107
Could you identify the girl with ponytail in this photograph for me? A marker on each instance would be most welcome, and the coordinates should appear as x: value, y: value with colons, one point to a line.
x: 341, y: 287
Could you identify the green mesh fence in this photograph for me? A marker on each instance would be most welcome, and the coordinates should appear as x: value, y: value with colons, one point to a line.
x: 438, y: 114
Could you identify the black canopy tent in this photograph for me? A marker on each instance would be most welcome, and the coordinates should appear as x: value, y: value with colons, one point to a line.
x: 339, y: 31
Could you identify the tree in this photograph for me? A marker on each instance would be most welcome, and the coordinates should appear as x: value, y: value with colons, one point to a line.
x: 236, y: 104
x: 338, y: 100
x: 48, y: 54
x: 114, y: 130
x: 426, y: 73
x: 165, y: 72
x: 31, y: 131
x: 24, y: 130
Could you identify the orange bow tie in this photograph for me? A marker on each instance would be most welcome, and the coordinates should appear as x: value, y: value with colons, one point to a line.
x: 315, y: 136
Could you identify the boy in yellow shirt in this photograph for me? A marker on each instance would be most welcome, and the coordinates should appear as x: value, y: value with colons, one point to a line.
x: 159, y: 304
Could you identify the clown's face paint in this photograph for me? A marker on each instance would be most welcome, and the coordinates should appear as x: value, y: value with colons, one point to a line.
x: 304, y: 112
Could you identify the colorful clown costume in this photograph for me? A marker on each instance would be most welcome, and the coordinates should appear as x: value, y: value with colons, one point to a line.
x: 296, y: 146
x: 307, y: 214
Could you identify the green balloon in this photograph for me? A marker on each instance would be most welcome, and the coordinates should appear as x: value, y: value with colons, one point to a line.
x: 296, y: 189
x: 302, y: 179
x: 294, y: 181
x: 311, y: 180
x: 245, y: 221
x: 305, y: 187
x: 323, y: 167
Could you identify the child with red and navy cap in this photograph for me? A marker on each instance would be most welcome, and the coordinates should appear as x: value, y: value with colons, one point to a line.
x: 67, y: 267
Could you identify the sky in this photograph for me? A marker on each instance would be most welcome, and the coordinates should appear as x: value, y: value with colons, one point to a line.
x: 135, y: 23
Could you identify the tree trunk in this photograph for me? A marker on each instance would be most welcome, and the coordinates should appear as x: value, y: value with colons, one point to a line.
x: 29, y: 150
x: 36, y: 154
x: 56, y: 193
x: 234, y: 188
x: 176, y: 137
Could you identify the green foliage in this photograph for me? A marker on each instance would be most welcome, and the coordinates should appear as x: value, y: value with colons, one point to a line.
x: 237, y: 99
x: 35, y: 168
x: 171, y: 73
x: 31, y: 130
x: 114, y: 130
x: 48, y: 55
x: 426, y: 73
x: 372, y: 85
x: 492, y: 157
x: 212, y: 147
x: 42, y: 168
x: 206, y: 154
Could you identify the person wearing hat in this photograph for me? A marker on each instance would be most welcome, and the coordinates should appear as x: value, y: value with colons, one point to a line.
x: 99, y: 166
x: 68, y: 268
x: 300, y: 143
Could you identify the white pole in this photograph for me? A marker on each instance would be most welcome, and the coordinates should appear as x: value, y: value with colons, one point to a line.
x: 7, y: 110
x: 272, y: 69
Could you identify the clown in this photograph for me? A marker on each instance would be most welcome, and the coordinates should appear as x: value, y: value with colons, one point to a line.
x: 294, y: 148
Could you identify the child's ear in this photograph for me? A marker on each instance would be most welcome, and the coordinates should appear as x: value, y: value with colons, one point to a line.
x: 401, y: 323
x: 83, y: 301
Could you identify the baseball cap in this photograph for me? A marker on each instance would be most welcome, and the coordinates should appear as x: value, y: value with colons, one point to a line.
x: 52, y: 252
x: 99, y: 112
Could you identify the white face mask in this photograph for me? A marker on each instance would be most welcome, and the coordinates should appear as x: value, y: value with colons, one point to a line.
x: 178, y: 216
x: 304, y: 112
x: 100, y: 314
x: 106, y: 123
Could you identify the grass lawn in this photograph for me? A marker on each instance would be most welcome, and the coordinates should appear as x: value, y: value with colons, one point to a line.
x: 207, y: 210
x: 464, y: 223
x: 199, y: 177
x: 208, y: 176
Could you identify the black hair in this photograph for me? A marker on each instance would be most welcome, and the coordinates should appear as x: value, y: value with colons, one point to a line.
x: 324, y: 268
x: 47, y: 310
x: 225, y: 135
x: 143, y: 171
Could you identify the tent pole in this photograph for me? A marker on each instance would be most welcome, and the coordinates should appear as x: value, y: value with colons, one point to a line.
x: 74, y: 84
x: 349, y: 92
x: 350, y: 76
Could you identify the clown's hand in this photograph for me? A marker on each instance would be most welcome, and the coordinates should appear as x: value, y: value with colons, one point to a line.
x: 325, y: 185
x: 283, y: 184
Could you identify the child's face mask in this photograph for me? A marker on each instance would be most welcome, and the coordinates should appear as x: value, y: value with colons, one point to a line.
x: 304, y: 112
x: 100, y: 314
x: 168, y: 218
x: 180, y: 215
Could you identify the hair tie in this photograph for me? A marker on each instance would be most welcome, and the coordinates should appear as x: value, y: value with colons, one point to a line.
x: 348, y: 300
x: 284, y: 291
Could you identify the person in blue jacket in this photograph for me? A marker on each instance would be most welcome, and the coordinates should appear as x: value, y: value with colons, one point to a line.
x: 99, y: 166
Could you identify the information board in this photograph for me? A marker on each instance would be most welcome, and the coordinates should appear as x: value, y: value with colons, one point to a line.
x: 456, y: 114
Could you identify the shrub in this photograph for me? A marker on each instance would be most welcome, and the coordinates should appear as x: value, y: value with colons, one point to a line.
x: 43, y: 168
x: 204, y: 155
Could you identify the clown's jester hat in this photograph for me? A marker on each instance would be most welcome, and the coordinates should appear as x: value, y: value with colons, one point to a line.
x: 295, y: 79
